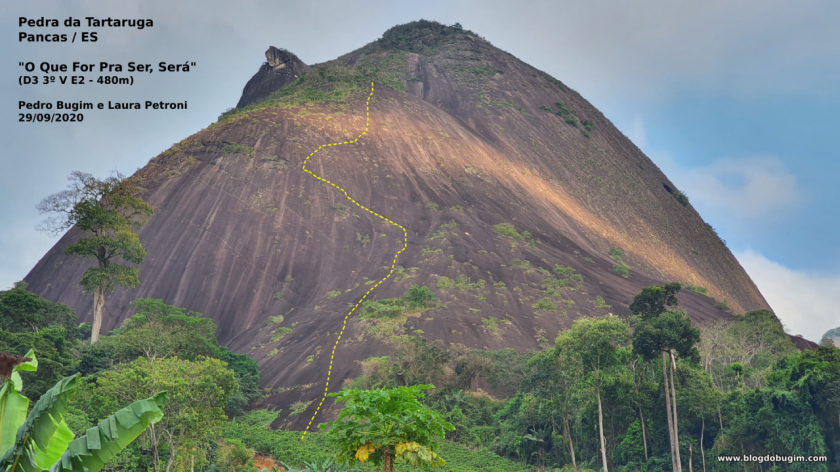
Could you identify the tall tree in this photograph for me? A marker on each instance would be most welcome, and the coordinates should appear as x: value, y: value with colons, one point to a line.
x: 661, y: 330
x: 593, y: 343
x: 387, y: 425
x: 108, y: 212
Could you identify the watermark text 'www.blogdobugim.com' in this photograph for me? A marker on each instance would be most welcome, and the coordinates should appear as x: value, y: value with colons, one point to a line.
x: 772, y: 458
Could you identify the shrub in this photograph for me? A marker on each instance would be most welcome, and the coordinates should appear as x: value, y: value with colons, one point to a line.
x: 698, y: 289
x: 277, y: 296
x: 545, y: 108
x: 499, y: 284
x: 451, y: 224
x: 621, y: 270
x: 440, y: 234
x: 241, y: 149
x: 297, y: 408
x: 418, y: 296
x: 456, y: 208
x: 506, y: 229
x: 680, y: 197
x: 363, y: 240
x: 432, y: 206
x: 545, y: 303
x: 520, y: 264
x: 280, y: 332
x: 340, y: 209
x: 444, y: 282
x: 600, y: 303
x: 333, y: 293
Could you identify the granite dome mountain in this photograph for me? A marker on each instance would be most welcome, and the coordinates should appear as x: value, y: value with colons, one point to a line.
x: 525, y: 209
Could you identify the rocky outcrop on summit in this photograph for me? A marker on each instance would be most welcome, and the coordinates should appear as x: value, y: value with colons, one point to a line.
x: 280, y: 69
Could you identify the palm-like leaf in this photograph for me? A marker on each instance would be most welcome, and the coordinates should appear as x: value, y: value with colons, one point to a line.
x: 44, y: 435
x: 101, y: 443
x: 13, y: 405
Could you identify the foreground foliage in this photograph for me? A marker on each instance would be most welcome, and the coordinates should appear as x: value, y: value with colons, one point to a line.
x: 42, y: 439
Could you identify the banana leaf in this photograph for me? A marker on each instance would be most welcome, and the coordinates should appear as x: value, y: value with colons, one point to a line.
x: 101, y: 443
x: 13, y: 405
x: 44, y: 435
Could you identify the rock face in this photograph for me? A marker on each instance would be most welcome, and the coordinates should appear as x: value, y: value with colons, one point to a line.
x: 462, y: 138
x: 280, y: 69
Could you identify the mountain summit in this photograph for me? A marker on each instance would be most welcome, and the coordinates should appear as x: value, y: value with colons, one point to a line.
x: 525, y: 208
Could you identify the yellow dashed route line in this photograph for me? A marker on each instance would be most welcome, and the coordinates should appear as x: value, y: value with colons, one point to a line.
x: 405, y: 245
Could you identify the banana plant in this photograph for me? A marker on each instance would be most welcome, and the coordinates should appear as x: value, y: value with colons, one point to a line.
x: 42, y: 440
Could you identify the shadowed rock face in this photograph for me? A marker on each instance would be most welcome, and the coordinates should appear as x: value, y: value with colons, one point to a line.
x: 465, y: 137
x: 280, y: 69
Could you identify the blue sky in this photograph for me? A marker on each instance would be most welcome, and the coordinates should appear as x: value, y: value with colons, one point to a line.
x: 736, y: 101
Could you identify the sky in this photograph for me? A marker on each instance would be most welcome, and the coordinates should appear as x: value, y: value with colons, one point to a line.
x: 735, y: 101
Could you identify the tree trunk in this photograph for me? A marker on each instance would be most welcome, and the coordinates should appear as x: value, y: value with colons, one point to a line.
x: 644, y: 440
x: 153, y: 438
x: 702, y: 453
x: 387, y: 460
x: 601, y: 428
x: 98, y: 304
x: 668, y: 411
x: 676, y: 423
x: 690, y: 456
x: 569, y: 436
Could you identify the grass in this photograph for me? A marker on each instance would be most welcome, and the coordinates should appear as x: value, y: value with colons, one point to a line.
x: 280, y: 332
x: 545, y: 303
x: 273, y: 320
x: 600, y: 303
x: 444, y: 282
x: 567, y: 114
x: 427, y: 252
x: 333, y: 294
x: 521, y: 264
x: 341, y: 209
x: 456, y: 208
x: 506, y: 229
x: 401, y: 272
x: 698, y: 289
x: 615, y: 254
x: 240, y: 149
x: 440, y: 234
x: 451, y: 224
x: 499, y: 284
x: 492, y: 325
x: 297, y: 408
x: 277, y: 295
x: 621, y: 270
x: 432, y: 206
x: 363, y: 240
x: 680, y: 197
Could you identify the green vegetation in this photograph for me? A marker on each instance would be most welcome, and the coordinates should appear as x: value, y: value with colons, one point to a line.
x: 615, y: 254
x: 277, y: 295
x: 416, y: 298
x: 506, y: 229
x: 546, y: 109
x: 42, y: 440
x: 545, y: 303
x: 680, y: 197
x: 444, y: 282
x: 621, y: 270
x: 333, y: 293
x: 341, y: 209
x: 363, y: 240
x: 108, y: 213
x: 588, y: 128
x: 599, y: 303
x: 432, y: 206
x: 491, y: 324
x: 697, y: 289
x: 440, y: 234
x: 387, y: 425
x: 280, y: 332
x: 567, y: 114
x: 450, y: 224
x: 456, y: 208
x: 238, y: 149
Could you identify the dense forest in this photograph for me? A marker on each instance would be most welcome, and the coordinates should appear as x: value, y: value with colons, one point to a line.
x: 608, y: 391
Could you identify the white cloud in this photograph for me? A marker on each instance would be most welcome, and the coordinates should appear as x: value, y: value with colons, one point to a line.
x: 807, y: 303
x: 637, y: 133
x: 743, y: 188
